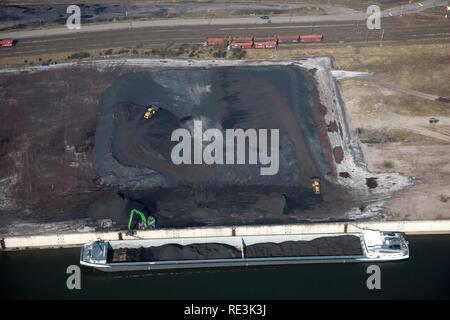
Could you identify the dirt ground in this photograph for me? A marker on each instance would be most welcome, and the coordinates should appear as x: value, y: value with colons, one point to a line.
x: 49, y: 136
x: 397, y: 104
x: 418, y: 149
x: 397, y: 117
x: 46, y: 142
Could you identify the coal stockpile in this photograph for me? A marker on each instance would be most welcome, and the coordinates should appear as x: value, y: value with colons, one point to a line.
x: 134, y: 155
x: 167, y: 252
x: 116, y: 207
x: 136, y: 140
x: 326, y: 246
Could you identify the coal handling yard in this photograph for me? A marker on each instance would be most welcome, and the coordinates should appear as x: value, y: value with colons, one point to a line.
x: 76, y: 149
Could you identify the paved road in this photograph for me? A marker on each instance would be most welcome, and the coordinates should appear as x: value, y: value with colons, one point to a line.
x: 413, y: 7
x: 396, y: 28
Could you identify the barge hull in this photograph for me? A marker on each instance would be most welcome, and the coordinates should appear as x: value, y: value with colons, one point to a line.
x: 224, y: 264
x: 374, y: 246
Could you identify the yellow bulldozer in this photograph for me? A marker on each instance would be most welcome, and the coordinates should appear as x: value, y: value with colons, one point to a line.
x: 315, y: 184
x: 151, y: 110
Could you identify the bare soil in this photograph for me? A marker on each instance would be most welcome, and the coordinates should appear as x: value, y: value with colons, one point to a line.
x: 403, y: 143
x: 46, y: 143
x: 47, y: 174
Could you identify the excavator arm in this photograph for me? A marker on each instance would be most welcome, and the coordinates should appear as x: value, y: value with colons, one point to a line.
x: 143, y: 222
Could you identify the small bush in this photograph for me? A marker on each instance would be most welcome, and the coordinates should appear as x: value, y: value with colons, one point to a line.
x: 238, y: 54
x: 388, y: 164
x: 78, y: 55
x: 164, y: 52
x: 219, y: 54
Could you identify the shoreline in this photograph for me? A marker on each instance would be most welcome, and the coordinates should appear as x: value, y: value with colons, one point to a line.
x: 73, y: 240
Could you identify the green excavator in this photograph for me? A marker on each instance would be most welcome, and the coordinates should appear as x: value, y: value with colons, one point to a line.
x: 139, y: 220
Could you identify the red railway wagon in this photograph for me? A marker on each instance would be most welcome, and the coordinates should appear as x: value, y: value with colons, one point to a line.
x: 242, y: 39
x: 287, y: 38
x: 241, y: 42
x: 311, y: 37
x: 265, y: 42
x: 242, y: 45
x: 270, y: 44
x: 7, y: 42
x: 264, y: 38
x: 260, y: 42
x: 217, y: 41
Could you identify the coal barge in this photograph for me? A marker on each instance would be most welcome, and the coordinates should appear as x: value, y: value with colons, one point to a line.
x: 239, y: 251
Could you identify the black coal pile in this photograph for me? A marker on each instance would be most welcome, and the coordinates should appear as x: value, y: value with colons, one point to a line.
x: 175, y: 252
x: 116, y: 207
x: 137, y: 141
x: 324, y: 246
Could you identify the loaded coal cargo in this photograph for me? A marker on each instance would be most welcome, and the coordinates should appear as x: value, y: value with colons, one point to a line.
x: 235, y: 251
x: 167, y: 252
x: 325, y: 246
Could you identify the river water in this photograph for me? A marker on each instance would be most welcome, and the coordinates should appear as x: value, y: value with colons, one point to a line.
x: 42, y: 275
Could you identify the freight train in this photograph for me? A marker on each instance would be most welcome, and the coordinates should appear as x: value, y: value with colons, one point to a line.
x: 261, y: 42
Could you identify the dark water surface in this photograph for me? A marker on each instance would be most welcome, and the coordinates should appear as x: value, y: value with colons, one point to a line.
x: 42, y: 274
